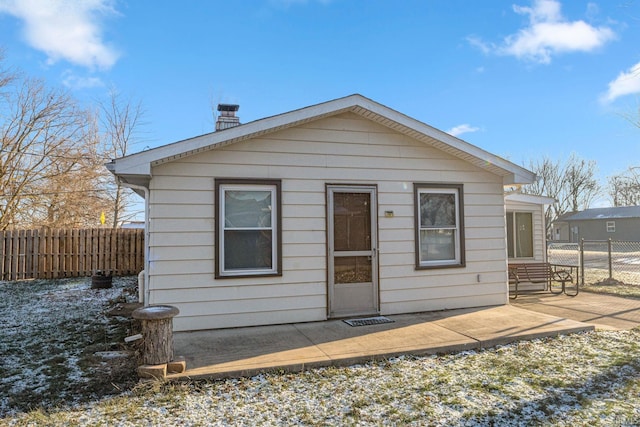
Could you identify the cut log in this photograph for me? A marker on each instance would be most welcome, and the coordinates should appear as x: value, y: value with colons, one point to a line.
x: 157, y: 333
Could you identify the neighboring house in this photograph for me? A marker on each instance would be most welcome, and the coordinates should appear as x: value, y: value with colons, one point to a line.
x: 345, y: 208
x: 560, y: 229
x: 621, y: 223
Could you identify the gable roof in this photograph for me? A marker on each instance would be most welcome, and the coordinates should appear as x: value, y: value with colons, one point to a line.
x: 604, y: 213
x: 136, y: 168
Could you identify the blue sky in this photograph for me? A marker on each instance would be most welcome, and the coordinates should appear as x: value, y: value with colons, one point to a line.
x: 522, y: 79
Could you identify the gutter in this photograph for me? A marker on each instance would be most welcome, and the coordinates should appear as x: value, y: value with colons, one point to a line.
x: 145, y: 293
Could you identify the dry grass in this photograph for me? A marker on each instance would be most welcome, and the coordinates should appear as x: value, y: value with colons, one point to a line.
x: 624, y: 284
x: 582, y: 379
x: 57, y: 344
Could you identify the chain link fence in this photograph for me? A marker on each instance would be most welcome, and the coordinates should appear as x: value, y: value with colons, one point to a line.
x: 599, y: 261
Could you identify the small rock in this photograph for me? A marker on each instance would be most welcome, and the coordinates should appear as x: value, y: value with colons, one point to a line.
x: 112, y: 354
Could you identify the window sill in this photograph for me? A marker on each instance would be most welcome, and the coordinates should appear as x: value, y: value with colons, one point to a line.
x: 439, y: 266
x: 245, y: 275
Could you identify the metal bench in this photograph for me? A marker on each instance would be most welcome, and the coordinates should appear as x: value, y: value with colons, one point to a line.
x: 540, y: 272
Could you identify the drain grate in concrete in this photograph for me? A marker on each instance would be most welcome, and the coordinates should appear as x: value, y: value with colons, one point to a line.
x: 368, y: 321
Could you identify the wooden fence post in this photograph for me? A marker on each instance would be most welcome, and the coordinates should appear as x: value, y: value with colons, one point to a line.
x: 2, y: 255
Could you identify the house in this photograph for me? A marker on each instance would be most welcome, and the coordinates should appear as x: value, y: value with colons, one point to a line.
x: 621, y: 223
x: 340, y: 209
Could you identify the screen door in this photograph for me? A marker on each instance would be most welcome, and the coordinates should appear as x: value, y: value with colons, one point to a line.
x: 353, y: 267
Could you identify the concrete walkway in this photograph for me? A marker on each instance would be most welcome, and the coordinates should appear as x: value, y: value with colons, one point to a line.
x: 247, y: 351
x: 602, y: 311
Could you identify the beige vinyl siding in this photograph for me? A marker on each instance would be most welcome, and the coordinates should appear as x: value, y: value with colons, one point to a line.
x: 342, y: 149
x: 539, y: 237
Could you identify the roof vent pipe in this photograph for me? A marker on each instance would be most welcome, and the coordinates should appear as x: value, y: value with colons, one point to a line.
x: 227, y: 117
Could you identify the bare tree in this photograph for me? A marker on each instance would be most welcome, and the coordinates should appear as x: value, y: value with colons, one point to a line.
x: 624, y: 189
x: 44, y: 137
x: 632, y: 117
x: 121, y: 120
x: 580, y: 184
x: 74, y: 194
x: 6, y: 75
x: 573, y: 185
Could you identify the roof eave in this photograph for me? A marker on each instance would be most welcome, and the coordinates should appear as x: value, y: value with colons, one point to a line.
x: 530, y: 198
x: 142, y: 163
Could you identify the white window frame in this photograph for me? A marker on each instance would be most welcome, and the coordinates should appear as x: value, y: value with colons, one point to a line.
x: 458, y: 227
x: 611, y: 226
x: 221, y: 227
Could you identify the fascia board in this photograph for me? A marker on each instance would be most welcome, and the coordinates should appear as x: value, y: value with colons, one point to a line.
x: 530, y: 198
x: 141, y: 163
x: 519, y: 177
x: 515, y: 175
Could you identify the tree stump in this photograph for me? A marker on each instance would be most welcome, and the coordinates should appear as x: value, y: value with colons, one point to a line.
x: 157, y: 333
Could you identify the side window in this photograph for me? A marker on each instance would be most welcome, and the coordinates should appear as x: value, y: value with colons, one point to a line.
x: 611, y: 226
x: 439, y: 225
x: 520, y: 234
x: 247, y: 228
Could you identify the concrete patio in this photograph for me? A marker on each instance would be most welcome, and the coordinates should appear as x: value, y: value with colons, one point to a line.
x: 295, y: 347
x: 602, y: 311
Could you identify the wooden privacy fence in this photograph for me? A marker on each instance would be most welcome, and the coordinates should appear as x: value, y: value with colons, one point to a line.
x: 50, y: 254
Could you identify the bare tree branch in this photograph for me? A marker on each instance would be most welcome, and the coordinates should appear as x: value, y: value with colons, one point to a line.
x: 48, y: 156
x: 121, y: 121
x: 573, y: 185
x: 624, y: 189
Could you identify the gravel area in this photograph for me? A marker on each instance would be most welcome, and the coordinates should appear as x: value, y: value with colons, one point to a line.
x: 582, y: 379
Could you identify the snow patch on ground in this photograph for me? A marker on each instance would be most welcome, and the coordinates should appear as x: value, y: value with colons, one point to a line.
x: 582, y: 379
x: 46, y: 328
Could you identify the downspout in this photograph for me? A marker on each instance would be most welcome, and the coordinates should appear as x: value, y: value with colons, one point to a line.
x: 146, y: 291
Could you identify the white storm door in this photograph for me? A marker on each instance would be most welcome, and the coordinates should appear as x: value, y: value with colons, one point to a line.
x: 352, y: 254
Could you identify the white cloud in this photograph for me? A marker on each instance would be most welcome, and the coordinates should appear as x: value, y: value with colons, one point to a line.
x: 71, y: 80
x: 483, y: 46
x: 460, y: 129
x: 547, y: 34
x: 627, y: 83
x: 68, y: 30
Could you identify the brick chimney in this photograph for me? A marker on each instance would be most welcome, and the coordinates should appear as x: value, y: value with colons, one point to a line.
x: 227, y: 118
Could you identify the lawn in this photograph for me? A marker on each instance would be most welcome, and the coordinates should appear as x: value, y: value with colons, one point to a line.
x: 624, y: 284
x: 58, y: 346
x: 582, y: 379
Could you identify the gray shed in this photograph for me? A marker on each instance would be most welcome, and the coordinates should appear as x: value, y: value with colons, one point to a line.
x: 621, y: 223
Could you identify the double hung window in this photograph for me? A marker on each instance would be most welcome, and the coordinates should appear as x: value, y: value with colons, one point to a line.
x: 247, y: 228
x: 439, y: 226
